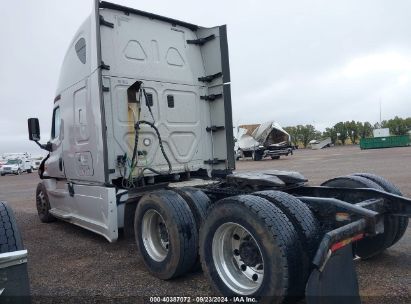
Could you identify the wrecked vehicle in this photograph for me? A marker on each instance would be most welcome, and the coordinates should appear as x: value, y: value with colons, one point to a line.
x: 142, y: 141
x: 320, y: 144
x: 260, y: 141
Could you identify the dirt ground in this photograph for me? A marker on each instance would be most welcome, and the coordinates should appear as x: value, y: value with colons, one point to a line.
x: 68, y: 262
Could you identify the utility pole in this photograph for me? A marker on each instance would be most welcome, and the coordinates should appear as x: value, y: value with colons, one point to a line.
x: 380, y: 112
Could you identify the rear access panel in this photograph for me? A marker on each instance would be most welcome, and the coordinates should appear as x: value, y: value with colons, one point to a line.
x: 186, y: 80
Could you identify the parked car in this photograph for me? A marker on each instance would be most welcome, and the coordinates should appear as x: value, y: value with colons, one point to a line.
x: 36, y: 163
x: 2, y: 163
x: 16, y: 166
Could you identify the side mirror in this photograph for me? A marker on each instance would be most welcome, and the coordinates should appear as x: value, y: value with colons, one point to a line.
x: 34, y: 133
x: 34, y: 129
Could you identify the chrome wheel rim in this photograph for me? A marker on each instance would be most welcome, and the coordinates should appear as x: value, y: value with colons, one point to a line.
x: 237, y: 258
x: 155, y: 235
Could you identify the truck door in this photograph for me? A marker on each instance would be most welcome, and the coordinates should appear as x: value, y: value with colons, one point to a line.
x: 55, y: 164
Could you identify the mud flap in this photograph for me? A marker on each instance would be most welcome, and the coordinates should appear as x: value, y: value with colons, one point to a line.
x: 337, y: 283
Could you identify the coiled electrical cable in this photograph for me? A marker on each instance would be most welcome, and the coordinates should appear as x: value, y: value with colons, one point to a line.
x: 160, y: 142
x: 134, y: 159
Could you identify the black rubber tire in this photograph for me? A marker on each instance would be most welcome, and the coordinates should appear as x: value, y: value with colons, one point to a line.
x: 256, y: 156
x: 182, y: 233
x: 43, y: 206
x: 241, y: 156
x: 275, y: 236
x: 391, y: 188
x: 370, y: 246
x: 2, y: 174
x: 30, y: 171
x: 276, y: 157
x: 10, y: 237
x: 198, y: 202
x: 15, y: 287
x: 304, y: 221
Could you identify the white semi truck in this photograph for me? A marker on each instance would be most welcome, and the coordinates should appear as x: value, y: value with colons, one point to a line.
x: 142, y: 141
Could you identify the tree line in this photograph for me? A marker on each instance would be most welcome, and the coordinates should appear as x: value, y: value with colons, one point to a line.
x: 341, y: 132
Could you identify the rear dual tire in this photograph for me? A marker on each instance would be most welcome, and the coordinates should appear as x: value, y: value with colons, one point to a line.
x: 166, y: 234
x: 304, y: 221
x: 402, y: 221
x: 371, y: 246
x: 256, y: 245
x: 198, y: 203
x: 249, y: 247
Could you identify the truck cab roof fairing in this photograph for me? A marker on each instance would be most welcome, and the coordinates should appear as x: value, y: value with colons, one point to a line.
x: 73, y: 69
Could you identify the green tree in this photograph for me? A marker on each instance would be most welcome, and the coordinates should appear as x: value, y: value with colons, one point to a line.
x: 352, y: 130
x: 332, y: 133
x: 396, y: 125
x: 364, y: 129
x: 342, y: 131
x: 307, y: 134
x: 294, y: 133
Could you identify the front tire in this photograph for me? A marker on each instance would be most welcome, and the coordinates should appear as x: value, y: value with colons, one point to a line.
x: 43, y: 204
x: 166, y: 234
x: 248, y: 247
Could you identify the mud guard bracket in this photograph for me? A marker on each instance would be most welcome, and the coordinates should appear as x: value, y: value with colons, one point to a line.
x: 337, y: 283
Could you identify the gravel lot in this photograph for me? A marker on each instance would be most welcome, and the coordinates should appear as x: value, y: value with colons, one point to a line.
x: 67, y: 262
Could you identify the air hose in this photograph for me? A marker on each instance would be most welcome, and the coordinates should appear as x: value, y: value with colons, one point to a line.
x: 134, y: 158
x: 160, y: 142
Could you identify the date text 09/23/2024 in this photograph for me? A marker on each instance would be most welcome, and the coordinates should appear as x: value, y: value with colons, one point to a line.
x: 202, y: 300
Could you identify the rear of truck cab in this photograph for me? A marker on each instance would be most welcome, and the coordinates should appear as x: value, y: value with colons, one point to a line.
x: 184, y: 70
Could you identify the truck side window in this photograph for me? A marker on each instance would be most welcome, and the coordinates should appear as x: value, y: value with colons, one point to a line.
x: 81, y: 49
x: 55, y: 128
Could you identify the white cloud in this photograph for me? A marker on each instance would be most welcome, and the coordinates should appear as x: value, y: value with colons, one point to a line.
x: 377, y: 63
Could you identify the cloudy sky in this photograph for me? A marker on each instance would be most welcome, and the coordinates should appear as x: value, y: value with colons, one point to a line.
x: 296, y: 62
